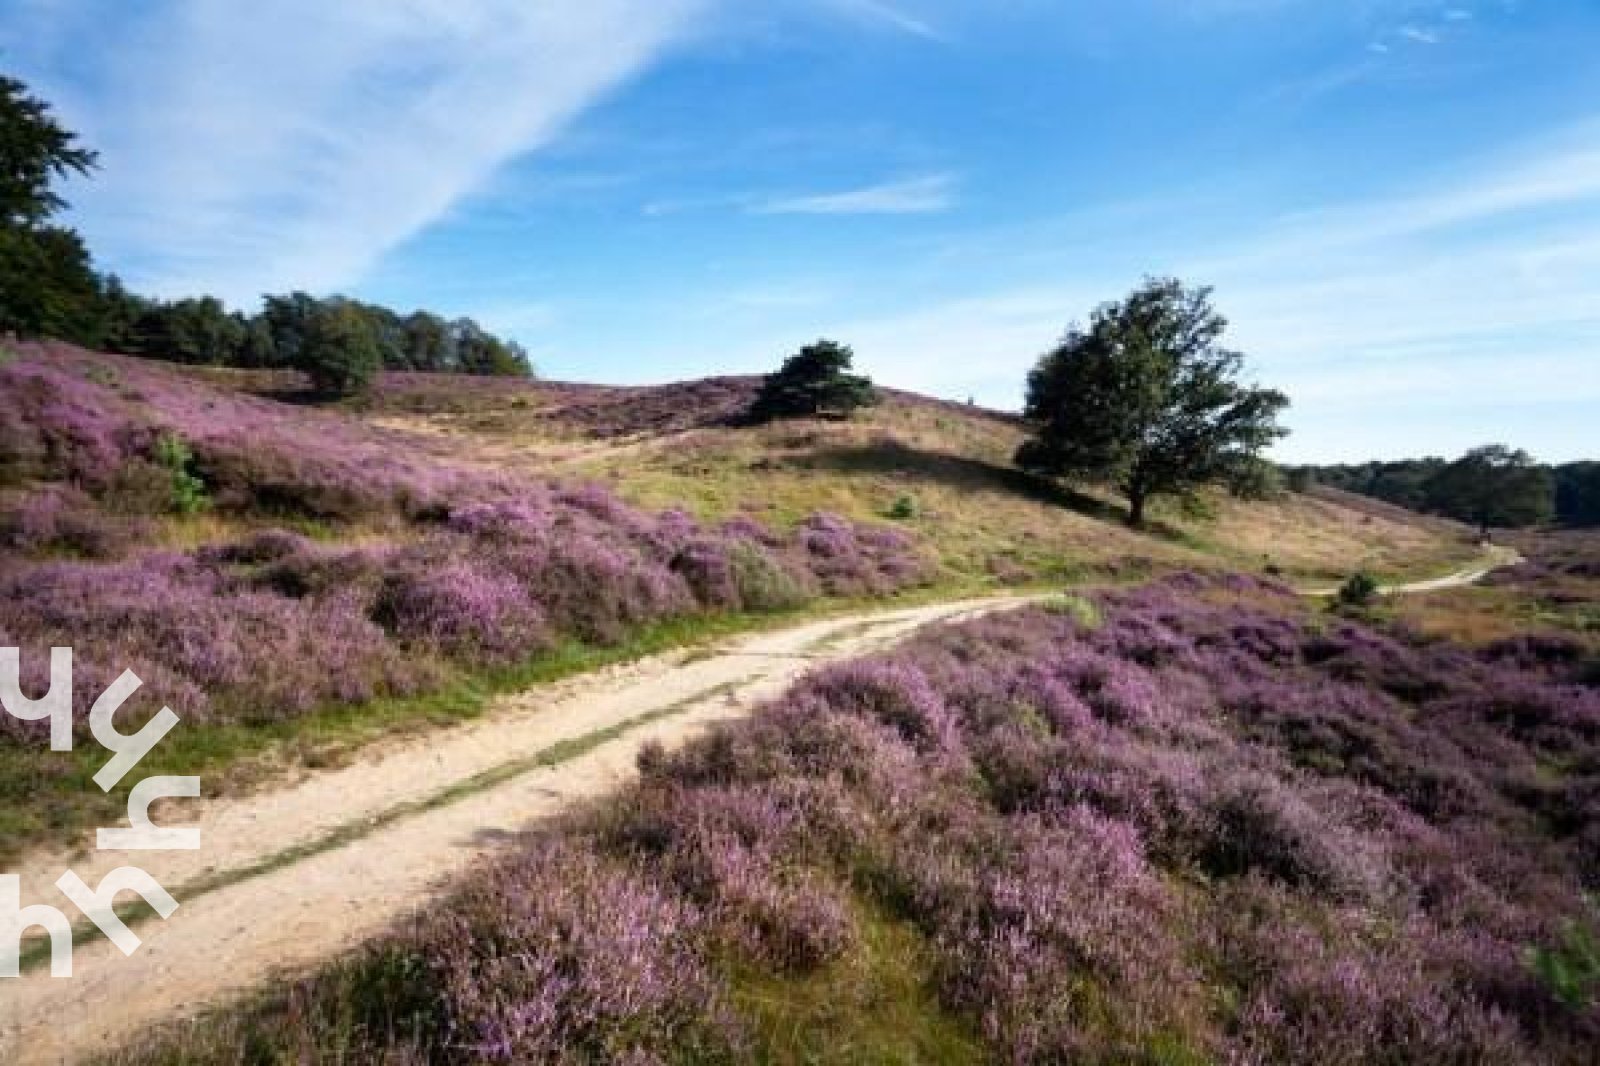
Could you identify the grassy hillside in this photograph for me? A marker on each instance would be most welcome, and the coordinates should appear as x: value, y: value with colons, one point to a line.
x: 941, y: 471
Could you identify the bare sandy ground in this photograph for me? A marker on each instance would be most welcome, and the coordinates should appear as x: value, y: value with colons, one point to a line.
x: 302, y: 872
x: 1495, y: 558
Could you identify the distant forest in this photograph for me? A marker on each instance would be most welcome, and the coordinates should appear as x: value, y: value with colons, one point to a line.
x: 1574, y: 488
x: 49, y: 287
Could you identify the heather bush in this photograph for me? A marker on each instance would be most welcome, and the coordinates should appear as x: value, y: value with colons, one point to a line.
x: 558, y: 956
x: 461, y: 610
x: 61, y: 520
x: 1208, y: 829
x: 455, y: 568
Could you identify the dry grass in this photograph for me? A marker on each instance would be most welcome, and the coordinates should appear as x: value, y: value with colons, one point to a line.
x: 951, y: 467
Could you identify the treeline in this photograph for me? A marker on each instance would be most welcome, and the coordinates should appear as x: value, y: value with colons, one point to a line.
x: 202, y: 330
x: 1569, y: 493
x: 49, y: 287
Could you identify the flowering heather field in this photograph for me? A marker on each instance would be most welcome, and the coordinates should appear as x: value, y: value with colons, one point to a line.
x: 413, y: 570
x: 1192, y: 822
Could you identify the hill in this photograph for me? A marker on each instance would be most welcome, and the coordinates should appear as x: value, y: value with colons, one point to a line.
x: 297, y: 578
x: 941, y: 471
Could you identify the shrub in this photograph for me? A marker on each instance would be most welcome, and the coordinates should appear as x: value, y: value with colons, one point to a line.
x: 904, y: 508
x: 461, y: 610
x: 188, y: 492
x: 1570, y: 969
x: 1359, y: 590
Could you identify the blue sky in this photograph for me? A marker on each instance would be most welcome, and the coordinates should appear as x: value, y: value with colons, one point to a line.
x: 1398, y: 201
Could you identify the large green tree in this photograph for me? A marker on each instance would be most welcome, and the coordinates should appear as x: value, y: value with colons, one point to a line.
x: 1146, y: 399
x: 339, y: 351
x: 1493, y: 486
x: 814, y: 381
x: 48, y: 286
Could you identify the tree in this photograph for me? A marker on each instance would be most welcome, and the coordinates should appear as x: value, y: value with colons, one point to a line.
x: 35, y: 151
x: 1493, y: 486
x: 193, y: 330
x: 288, y: 320
x: 48, y: 286
x: 1145, y: 399
x: 814, y: 381
x: 339, y: 352
x: 478, y: 351
x: 1578, y: 493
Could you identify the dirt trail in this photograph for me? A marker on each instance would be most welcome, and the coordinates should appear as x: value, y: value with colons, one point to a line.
x: 290, y: 877
x: 1495, y: 558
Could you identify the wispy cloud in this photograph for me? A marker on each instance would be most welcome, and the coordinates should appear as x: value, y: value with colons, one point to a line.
x: 1418, y: 34
x: 878, y: 12
x: 253, y: 147
x: 1475, y: 296
x: 913, y: 196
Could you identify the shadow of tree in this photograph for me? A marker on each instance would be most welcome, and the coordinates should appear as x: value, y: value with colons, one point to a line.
x: 895, y: 458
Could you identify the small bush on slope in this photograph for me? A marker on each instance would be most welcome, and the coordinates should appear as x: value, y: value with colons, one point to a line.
x: 1198, y: 831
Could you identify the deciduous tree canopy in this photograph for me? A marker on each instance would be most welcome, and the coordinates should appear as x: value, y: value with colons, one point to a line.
x: 1146, y: 399
x: 1493, y: 486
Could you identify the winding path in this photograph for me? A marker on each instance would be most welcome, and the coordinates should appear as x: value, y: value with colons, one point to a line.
x: 1495, y: 558
x: 290, y: 877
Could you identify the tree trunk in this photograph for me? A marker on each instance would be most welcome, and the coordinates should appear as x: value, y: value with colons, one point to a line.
x: 1136, y: 499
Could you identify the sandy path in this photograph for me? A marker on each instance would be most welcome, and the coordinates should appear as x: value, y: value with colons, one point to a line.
x: 1496, y: 558
x: 371, y: 841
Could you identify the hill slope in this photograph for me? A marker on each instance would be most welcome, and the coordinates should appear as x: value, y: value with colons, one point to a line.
x: 944, y: 468
x: 291, y: 577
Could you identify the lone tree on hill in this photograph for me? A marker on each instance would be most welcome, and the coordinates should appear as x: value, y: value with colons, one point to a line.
x: 1493, y: 486
x: 1146, y: 399
x: 814, y: 381
x: 339, y: 351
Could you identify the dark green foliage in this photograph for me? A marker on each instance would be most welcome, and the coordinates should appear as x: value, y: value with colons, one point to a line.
x: 35, y: 152
x: 339, y: 352
x: 1254, y: 478
x: 193, y: 330
x: 1146, y: 399
x: 1402, y: 483
x: 1493, y: 486
x: 814, y: 381
x: 48, y: 287
x: 1578, y: 494
x: 1359, y: 590
x: 1406, y: 483
x: 1570, y: 969
x: 1300, y: 478
x: 47, y: 284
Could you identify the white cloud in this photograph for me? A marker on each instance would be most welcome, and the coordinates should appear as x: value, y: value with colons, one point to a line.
x: 1441, y: 317
x: 1419, y: 35
x: 913, y: 196
x: 885, y: 14
x: 254, y: 147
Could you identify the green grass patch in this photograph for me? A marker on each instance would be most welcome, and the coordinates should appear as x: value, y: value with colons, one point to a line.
x: 874, y: 1005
